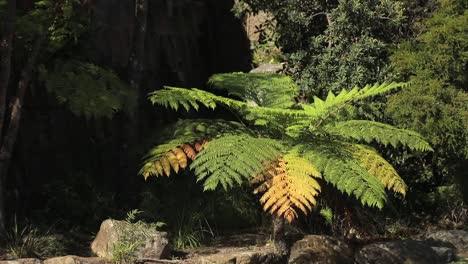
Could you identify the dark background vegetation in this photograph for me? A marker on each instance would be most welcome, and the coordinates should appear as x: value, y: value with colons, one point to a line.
x: 76, y: 158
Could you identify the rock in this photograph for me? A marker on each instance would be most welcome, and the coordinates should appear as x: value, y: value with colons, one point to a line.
x: 155, y: 247
x: 446, y: 254
x: 396, y: 252
x: 241, y: 257
x: 321, y: 250
x: 457, y: 238
x: 269, y: 68
x: 21, y: 261
x: 76, y: 260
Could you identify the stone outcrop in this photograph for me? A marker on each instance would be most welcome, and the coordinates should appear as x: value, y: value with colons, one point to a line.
x: 320, y: 250
x: 269, y: 68
x: 155, y: 247
x: 407, y: 251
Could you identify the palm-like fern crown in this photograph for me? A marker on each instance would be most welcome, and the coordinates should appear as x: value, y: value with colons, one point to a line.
x: 279, y: 146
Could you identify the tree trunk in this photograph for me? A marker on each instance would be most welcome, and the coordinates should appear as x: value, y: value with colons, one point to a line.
x: 129, y: 155
x: 6, y: 48
x: 279, y: 237
x: 329, y: 21
x: 9, y: 139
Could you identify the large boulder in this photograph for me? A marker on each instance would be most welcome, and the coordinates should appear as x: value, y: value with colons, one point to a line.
x: 320, y: 250
x: 457, y: 238
x: 76, y: 260
x: 156, y: 245
x: 21, y: 261
x: 400, y: 252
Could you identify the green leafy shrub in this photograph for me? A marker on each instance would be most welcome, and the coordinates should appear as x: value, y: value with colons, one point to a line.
x: 132, y: 234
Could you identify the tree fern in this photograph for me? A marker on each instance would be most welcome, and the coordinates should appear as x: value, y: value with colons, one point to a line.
x: 279, y: 146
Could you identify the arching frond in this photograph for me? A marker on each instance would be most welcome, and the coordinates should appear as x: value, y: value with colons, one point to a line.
x: 231, y: 160
x: 288, y: 186
x: 380, y: 168
x: 385, y: 134
x: 173, y: 97
x: 323, y: 109
x: 187, y: 137
x: 262, y: 89
x: 342, y: 170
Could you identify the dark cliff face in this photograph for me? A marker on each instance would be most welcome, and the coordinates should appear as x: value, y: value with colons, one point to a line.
x: 186, y: 40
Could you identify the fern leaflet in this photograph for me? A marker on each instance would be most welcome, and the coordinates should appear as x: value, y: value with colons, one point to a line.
x: 230, y: 160
x: 289, y: 185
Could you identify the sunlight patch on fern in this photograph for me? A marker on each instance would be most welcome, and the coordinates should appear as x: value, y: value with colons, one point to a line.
x: 379, y: 168
x: 340, y: 168
x: 288, y: 186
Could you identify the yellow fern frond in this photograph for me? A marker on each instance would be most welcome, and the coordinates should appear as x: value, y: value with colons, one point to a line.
x: 166, y: 164
x: 288, y: 187
x: 174, y: 160
x: 181, y: 157
x: 380, y: 168
x: 159, y: 168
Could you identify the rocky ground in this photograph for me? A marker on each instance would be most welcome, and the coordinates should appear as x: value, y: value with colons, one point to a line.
x: 434, y: 247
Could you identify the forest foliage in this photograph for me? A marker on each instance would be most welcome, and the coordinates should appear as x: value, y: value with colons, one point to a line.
x: 316, y: 140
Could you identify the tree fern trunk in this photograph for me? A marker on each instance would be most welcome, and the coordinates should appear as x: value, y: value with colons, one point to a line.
x: 279, y: 237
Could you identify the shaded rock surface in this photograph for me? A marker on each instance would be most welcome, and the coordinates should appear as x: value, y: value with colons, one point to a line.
x: 76, y: 260
x: 155, y: 247
x: 320, y: 249
x: 21, y: 261
x: 408, y: 251
x: 245, y: 249
x: 455, y: 238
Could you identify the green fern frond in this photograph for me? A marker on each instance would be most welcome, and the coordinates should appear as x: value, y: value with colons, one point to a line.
x: 323, y: 109
x: 173, y: 97
x: 86, y: 89
x: 382, y: 133
x: 230, y: 160
x: 342, y: 170
x: 289, y: 186
x: 262, y: 89
x: 380, y: 168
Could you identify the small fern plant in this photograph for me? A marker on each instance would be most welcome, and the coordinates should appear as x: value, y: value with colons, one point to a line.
x: 285, y: 149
